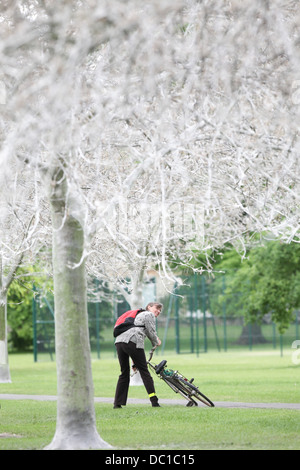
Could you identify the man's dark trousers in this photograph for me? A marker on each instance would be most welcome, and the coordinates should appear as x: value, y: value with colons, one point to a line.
x: 126, y: 351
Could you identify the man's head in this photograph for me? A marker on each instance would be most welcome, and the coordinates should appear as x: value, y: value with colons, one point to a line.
x: 155, y: 308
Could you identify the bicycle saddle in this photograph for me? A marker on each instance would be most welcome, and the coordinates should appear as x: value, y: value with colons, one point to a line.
x: 160, y: 366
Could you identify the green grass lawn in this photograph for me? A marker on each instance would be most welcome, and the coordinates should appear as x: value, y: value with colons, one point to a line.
x: 242, y: 376
x: 31, y: 425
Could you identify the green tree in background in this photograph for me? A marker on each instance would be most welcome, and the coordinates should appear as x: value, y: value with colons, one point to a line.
x: 19, y: 306
x: 19, y: 312
x: 268, y: 281
x: 19, y: 309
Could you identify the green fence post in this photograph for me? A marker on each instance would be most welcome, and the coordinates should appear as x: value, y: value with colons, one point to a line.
x: 191, y: 307
x: 168, y: 318
x: 97, y: 321
x: 224, y: 314
x: 177, y: 337
x: 196, y: 312
x: 216, y: 333
x: 274, y: 335
x: 34, y: 326
x: 98, y: 330
x: 204, y: 313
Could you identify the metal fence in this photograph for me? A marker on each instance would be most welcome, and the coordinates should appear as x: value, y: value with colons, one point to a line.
x: 198, y: 319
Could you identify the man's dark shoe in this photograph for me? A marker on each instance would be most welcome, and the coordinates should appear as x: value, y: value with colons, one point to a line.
x: 117, y: 406
x: 156, y: 405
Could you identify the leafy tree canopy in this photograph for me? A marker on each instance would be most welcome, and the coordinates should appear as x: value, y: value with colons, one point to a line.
x: 19, y: 306
x: 268, y: 281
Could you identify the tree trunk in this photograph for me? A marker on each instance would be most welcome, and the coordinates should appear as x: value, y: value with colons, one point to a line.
x: 4, y: 366
x: 76, y: 422
x: 251, y: 334
x: 135, y: 297
x: 136, y: 300
x: 5, y: 282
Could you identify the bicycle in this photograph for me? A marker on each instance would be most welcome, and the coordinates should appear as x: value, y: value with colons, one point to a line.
x: 179, y: 383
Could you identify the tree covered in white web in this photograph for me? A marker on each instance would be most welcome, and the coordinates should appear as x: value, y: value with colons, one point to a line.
x: 24, y: 232
x: 153, y: 130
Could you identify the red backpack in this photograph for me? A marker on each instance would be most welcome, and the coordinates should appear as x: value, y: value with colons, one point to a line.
x: 126, y: 321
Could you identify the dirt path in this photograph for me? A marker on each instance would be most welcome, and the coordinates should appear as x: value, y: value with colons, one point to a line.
x: 163, y: 401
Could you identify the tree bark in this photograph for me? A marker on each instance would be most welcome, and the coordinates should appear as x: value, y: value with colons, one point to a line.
x: 134, y: 298
x: 251, y: 334
x: 76, y: 422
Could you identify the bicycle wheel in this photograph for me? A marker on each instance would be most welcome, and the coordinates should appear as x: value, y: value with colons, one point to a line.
x: 177, y: 387
x: 194, y: 392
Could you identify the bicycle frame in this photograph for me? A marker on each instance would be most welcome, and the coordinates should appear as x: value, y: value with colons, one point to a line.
x: 178, y: 383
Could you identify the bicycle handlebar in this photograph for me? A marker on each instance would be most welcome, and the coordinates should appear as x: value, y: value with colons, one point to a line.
x: 151, y: 353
